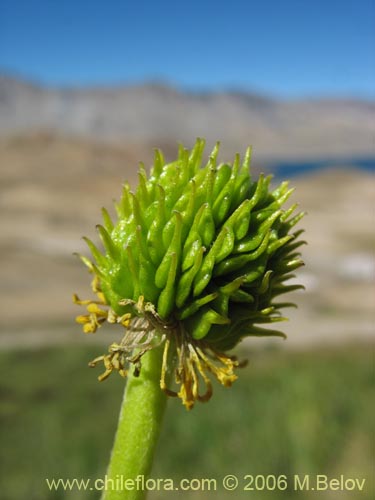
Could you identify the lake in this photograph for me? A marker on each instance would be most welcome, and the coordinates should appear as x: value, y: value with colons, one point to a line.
x: 287, y: 169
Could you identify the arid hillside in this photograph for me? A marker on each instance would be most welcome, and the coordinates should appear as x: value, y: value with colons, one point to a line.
x: 51, y: 192
x: 160, y: 114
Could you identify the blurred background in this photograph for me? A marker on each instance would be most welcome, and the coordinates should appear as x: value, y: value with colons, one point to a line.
x: 87, y: 90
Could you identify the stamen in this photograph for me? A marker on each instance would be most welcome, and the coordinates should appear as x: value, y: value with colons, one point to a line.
x: 163, y: 384
x: 207, y: 395
x: 146, y: 330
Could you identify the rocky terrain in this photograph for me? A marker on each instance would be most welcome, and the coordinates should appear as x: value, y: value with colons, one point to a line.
x: 156, y: 114
x: 51, y: 192
x: 65, y: 152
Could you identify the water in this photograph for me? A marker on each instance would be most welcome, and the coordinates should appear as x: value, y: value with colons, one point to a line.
x: 296, y: 168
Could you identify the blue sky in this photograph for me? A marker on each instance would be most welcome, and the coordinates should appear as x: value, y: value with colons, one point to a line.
x: 286, y: 48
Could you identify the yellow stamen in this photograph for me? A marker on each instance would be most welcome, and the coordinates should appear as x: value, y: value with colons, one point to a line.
x: 195, y: 360
x: 163, y: 384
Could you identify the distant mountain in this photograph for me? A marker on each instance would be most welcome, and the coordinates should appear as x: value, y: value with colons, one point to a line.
x: 160, y: 115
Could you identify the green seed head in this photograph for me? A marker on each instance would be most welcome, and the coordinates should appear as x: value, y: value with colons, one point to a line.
x: 207, y: 248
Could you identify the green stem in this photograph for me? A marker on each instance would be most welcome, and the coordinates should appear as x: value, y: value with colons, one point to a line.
x: 138, y: 430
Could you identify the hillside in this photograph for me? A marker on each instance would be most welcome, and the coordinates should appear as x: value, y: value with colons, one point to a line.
x: 155, y: 114
x: 51, y: 192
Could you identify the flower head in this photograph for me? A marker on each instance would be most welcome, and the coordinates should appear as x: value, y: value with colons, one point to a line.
x: 195, y: 261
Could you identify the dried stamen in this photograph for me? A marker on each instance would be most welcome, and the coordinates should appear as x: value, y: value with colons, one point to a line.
x: 193, y: 362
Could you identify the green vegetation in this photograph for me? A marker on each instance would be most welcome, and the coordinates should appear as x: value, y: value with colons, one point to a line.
x: 306, y: 413
x: 200, y: 251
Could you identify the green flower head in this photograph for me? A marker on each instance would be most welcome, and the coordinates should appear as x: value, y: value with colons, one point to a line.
x: 196, y: 260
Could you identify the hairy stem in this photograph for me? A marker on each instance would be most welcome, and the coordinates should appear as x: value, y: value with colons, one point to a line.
x: 138, y: 429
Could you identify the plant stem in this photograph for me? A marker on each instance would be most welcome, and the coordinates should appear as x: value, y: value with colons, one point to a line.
x: 138, y: 429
